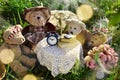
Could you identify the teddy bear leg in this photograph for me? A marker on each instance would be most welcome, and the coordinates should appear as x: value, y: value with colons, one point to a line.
x: 30, y: 62
x: 18, y: 68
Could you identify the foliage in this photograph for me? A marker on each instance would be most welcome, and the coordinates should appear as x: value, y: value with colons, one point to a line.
x: 116, y: 38
x: 12, y: 9
x: 3, y: 25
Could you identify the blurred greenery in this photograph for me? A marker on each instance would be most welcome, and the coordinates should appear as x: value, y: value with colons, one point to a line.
x: 11, y: 13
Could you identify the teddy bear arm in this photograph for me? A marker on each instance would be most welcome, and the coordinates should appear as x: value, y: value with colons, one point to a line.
x: 18, y: 68
x: 29, y: 62
x: 26, y: 30
x: 50, y: 27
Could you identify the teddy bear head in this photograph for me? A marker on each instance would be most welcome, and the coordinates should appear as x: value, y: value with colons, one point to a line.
x: 97, y: 39
x: 13, y: 35
x: 75, y: 26
x: 37, y: 16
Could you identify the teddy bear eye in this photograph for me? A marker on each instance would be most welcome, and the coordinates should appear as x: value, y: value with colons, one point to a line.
x: 92, y: 42
x: 75, y: 28
x: 95, y: 38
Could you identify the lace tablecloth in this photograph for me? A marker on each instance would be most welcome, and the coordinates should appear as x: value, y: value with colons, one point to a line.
x: 56, y: 59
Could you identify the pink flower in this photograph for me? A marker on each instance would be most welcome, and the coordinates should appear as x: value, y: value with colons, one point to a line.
x: 111, y: 50
x: 103, y: 57
x: 91, y: 64
x: 106, y: 46
x: 115, y: 59
x: 109, y: 57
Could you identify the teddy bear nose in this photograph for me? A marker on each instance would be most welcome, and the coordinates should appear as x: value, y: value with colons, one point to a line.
x: 23, y: 39
x: 71, y: 32
x: 38, y: 17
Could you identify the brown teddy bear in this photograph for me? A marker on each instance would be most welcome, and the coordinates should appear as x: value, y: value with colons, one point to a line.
x: 90, y: 40
x: 38, y: 18
x: 10, y: 51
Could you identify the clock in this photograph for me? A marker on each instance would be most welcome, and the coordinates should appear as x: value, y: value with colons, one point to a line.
x: 52, y: 38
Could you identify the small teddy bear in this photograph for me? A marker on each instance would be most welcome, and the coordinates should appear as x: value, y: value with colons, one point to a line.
x: 90, y: 40
x: 19, y: 62
x: 38, y: 18
x: 74, y: 27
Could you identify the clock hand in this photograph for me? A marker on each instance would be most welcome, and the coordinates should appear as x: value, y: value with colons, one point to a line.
x: 51, y: 39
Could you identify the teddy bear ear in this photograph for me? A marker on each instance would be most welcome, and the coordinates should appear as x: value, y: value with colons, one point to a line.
x: 26, y: 14
x: 46, y: 12
x: 19, y: 26
x: 83, y: 26
x: 6, y: 34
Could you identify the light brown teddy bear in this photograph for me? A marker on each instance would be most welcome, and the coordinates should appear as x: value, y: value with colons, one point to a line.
x: 74, y: 27
x: 38, y: 18
x: 10, y: 51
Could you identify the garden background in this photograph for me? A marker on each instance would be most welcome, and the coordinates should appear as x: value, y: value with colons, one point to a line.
x: 11, y: 14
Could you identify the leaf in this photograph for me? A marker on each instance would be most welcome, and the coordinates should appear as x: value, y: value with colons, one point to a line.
x: 96, y: 57
x: 115, y: 19
x: 110, y: 12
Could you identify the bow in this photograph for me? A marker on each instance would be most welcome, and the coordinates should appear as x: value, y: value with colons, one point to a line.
x: 37, y: 35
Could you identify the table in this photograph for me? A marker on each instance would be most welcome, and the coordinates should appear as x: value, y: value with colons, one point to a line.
x: 58, y: 60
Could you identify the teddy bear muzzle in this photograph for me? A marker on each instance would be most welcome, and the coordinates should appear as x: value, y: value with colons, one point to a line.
x: 21, y: 40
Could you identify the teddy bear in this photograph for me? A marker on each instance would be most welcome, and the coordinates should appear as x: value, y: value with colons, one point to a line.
x: 74, y: 27
x: 11, y: 53
x: 39, y: 26
x: 91, y: 39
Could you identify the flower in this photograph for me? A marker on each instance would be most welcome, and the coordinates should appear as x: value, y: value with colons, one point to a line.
x: 107, y: 56
x: 91, y: 64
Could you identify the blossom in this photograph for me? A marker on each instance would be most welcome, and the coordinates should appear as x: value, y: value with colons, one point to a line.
x: 107, y: 56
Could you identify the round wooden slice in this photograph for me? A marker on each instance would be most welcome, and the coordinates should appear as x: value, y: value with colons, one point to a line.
x: 30, y: 77
x: 84, y: 12
x: 6, y: 56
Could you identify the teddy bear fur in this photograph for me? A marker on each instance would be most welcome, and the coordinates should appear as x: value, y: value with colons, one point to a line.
x: 13, y: 39
x: 37, y: 17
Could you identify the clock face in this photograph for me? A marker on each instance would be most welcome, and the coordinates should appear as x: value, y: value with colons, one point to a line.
x: 52, y: 40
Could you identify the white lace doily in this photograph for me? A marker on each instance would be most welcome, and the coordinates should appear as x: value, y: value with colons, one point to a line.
x: 56, y: 59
